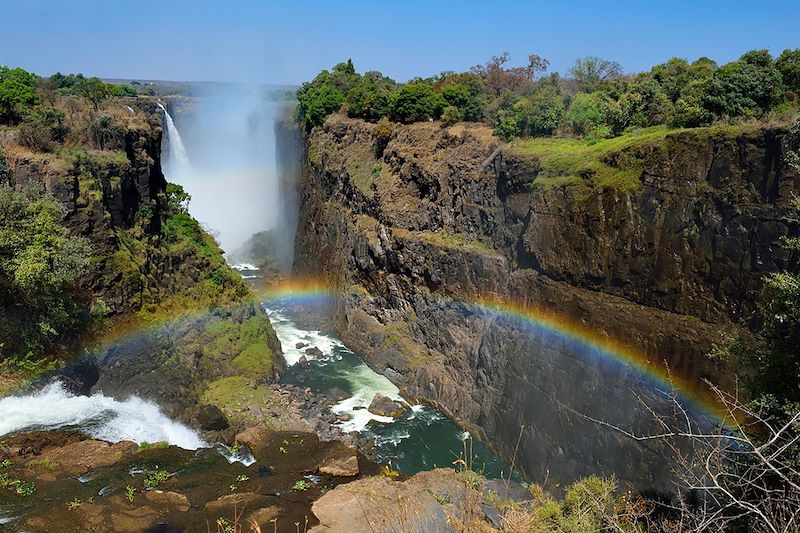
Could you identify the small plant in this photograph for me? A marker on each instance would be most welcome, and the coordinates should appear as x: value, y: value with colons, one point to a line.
x: 300, y: 485
x: 74, y: 504
x: 25, y: 488
x: 235, y: 449
x: 241, y: 478
x: 225, y: 526
x: 154, y: 478
x: 5, y: 463
x: 282, y: 449
x: 130, y: 493
x: 46, y: 463
x: 388, y: 471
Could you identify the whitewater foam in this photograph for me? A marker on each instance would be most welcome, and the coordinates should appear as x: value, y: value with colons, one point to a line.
x: 99, y: 416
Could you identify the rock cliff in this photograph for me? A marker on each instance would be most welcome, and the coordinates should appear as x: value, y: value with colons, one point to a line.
x: 413, y: 227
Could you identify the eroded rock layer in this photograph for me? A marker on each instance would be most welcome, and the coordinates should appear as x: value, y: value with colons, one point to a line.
x: 413, y: 228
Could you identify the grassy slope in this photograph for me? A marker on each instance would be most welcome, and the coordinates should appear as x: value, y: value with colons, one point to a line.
x: 584, y: 162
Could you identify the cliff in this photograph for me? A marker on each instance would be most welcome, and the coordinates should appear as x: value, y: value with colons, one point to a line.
x: 656, y: 242
x: 170, y: 320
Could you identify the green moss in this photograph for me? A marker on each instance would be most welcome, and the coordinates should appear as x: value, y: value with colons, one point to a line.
x: 255, y: 360
x: 234, y: 392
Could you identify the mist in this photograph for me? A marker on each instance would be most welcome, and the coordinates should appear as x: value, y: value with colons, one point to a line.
x: 231, y: 173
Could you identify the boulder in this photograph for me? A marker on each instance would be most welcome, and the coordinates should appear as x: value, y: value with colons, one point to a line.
x: 86, y: 455
x: 172, y: 500
x: 342, y: 462
x: 314, y: 352
x: 384, y: 406
x: 254, y: 438
x: 263, y: 517
x: 211, y: 418
x: 337, y: 395
x: 224, y: 505
x: 300, y: 345
x: 303, y: 361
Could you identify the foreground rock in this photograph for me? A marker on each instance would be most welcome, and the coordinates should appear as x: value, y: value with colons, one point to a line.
x: 436, y: 501
x: 67, y: 482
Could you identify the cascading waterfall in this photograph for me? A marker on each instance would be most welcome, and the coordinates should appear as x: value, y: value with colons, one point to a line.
x: 177, y: 163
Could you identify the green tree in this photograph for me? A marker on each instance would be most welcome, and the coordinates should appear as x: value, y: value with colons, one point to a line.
x: 587, y: 115
x: 788, y: 64
x: 95, y: 90
x: 177, y: 199
x: 466, y: 92
x: 368, y: 100
x: 17, y: 93
x: 316, y: 102
x: 750, y: 86
x: 415, y: 101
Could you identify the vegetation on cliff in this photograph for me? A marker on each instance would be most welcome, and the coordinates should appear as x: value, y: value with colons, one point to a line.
x: 90, y: 232
x: 595, y: 100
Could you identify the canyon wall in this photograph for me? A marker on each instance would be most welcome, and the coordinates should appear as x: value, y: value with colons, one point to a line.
x: 414, y: 225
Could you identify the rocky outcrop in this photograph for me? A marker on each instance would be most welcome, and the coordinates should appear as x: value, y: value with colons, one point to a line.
x: 419, y: 235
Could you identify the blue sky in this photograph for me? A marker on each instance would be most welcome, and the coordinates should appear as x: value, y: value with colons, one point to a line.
x: 288, y: 42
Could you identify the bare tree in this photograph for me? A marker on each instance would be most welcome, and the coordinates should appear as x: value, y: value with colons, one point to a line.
x: 744, y: 473
x: 498, y: 78
x: 591, y: 71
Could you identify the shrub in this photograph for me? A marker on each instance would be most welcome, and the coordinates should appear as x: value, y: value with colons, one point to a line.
x: 39, y: 264
x: 177, y: 199
x: 17, y: 93
x: 43, y: 128
x: 587, y: 115
x: 451, y: 115
x: 750, y: 86
x: 107, y: 133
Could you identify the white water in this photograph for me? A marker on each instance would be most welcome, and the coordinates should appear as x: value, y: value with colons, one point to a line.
x: 362, y: 379
x: 99, y: 416
x: 176, y: 165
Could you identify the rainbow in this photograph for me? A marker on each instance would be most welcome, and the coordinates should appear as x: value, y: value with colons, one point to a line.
x: 587, y: 340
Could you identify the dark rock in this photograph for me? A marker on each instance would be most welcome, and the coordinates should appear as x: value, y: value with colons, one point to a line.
x: 314, y: 352
x: 302, y: 361
x: 337, y: 395
x: 384, y: 406
x: 211, y: 418
x: 79, y: 377
x: 300, y: 345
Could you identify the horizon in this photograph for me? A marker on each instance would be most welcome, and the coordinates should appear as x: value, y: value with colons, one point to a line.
x: 197, y: 43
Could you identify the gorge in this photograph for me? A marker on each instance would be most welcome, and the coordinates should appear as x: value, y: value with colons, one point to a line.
x: 358, y: 306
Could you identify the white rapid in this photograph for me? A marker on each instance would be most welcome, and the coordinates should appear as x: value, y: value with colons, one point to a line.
x: 176, y: 164
x: 97, y: 415
x: 364, y: 382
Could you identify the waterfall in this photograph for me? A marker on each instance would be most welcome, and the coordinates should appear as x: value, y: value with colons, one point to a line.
x: 177, y: 163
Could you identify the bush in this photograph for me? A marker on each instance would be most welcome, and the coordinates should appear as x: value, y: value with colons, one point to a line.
x: 17, y: 93
x: 107, y: 133
x: 587, y: 115
x: 43, y: 128
x: 414, y: 102
x: 451, y: 115
x: 315, y: 103
x: 39, y: 265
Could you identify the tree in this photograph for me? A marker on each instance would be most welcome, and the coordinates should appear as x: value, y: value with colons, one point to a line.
x: 587, y: 115
x: 591, y: 71
x: 177, y: 199
x: 750, y: 86
x: 498, y: 78
x: 17, y: 93
x: 368, y: 100
x: 95, y: 90
x: 466, y: 92
x: 788, y: 64
x: 416, y: 101
x: 316, y: 102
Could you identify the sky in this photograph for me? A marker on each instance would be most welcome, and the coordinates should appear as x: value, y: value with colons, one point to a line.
x: 289, y: 42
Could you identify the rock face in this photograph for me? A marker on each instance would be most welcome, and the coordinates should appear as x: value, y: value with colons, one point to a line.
x: 446, y: 219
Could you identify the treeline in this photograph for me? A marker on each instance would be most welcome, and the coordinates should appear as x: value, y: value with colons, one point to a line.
x: 44, y: 121
x: 596, y: 99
